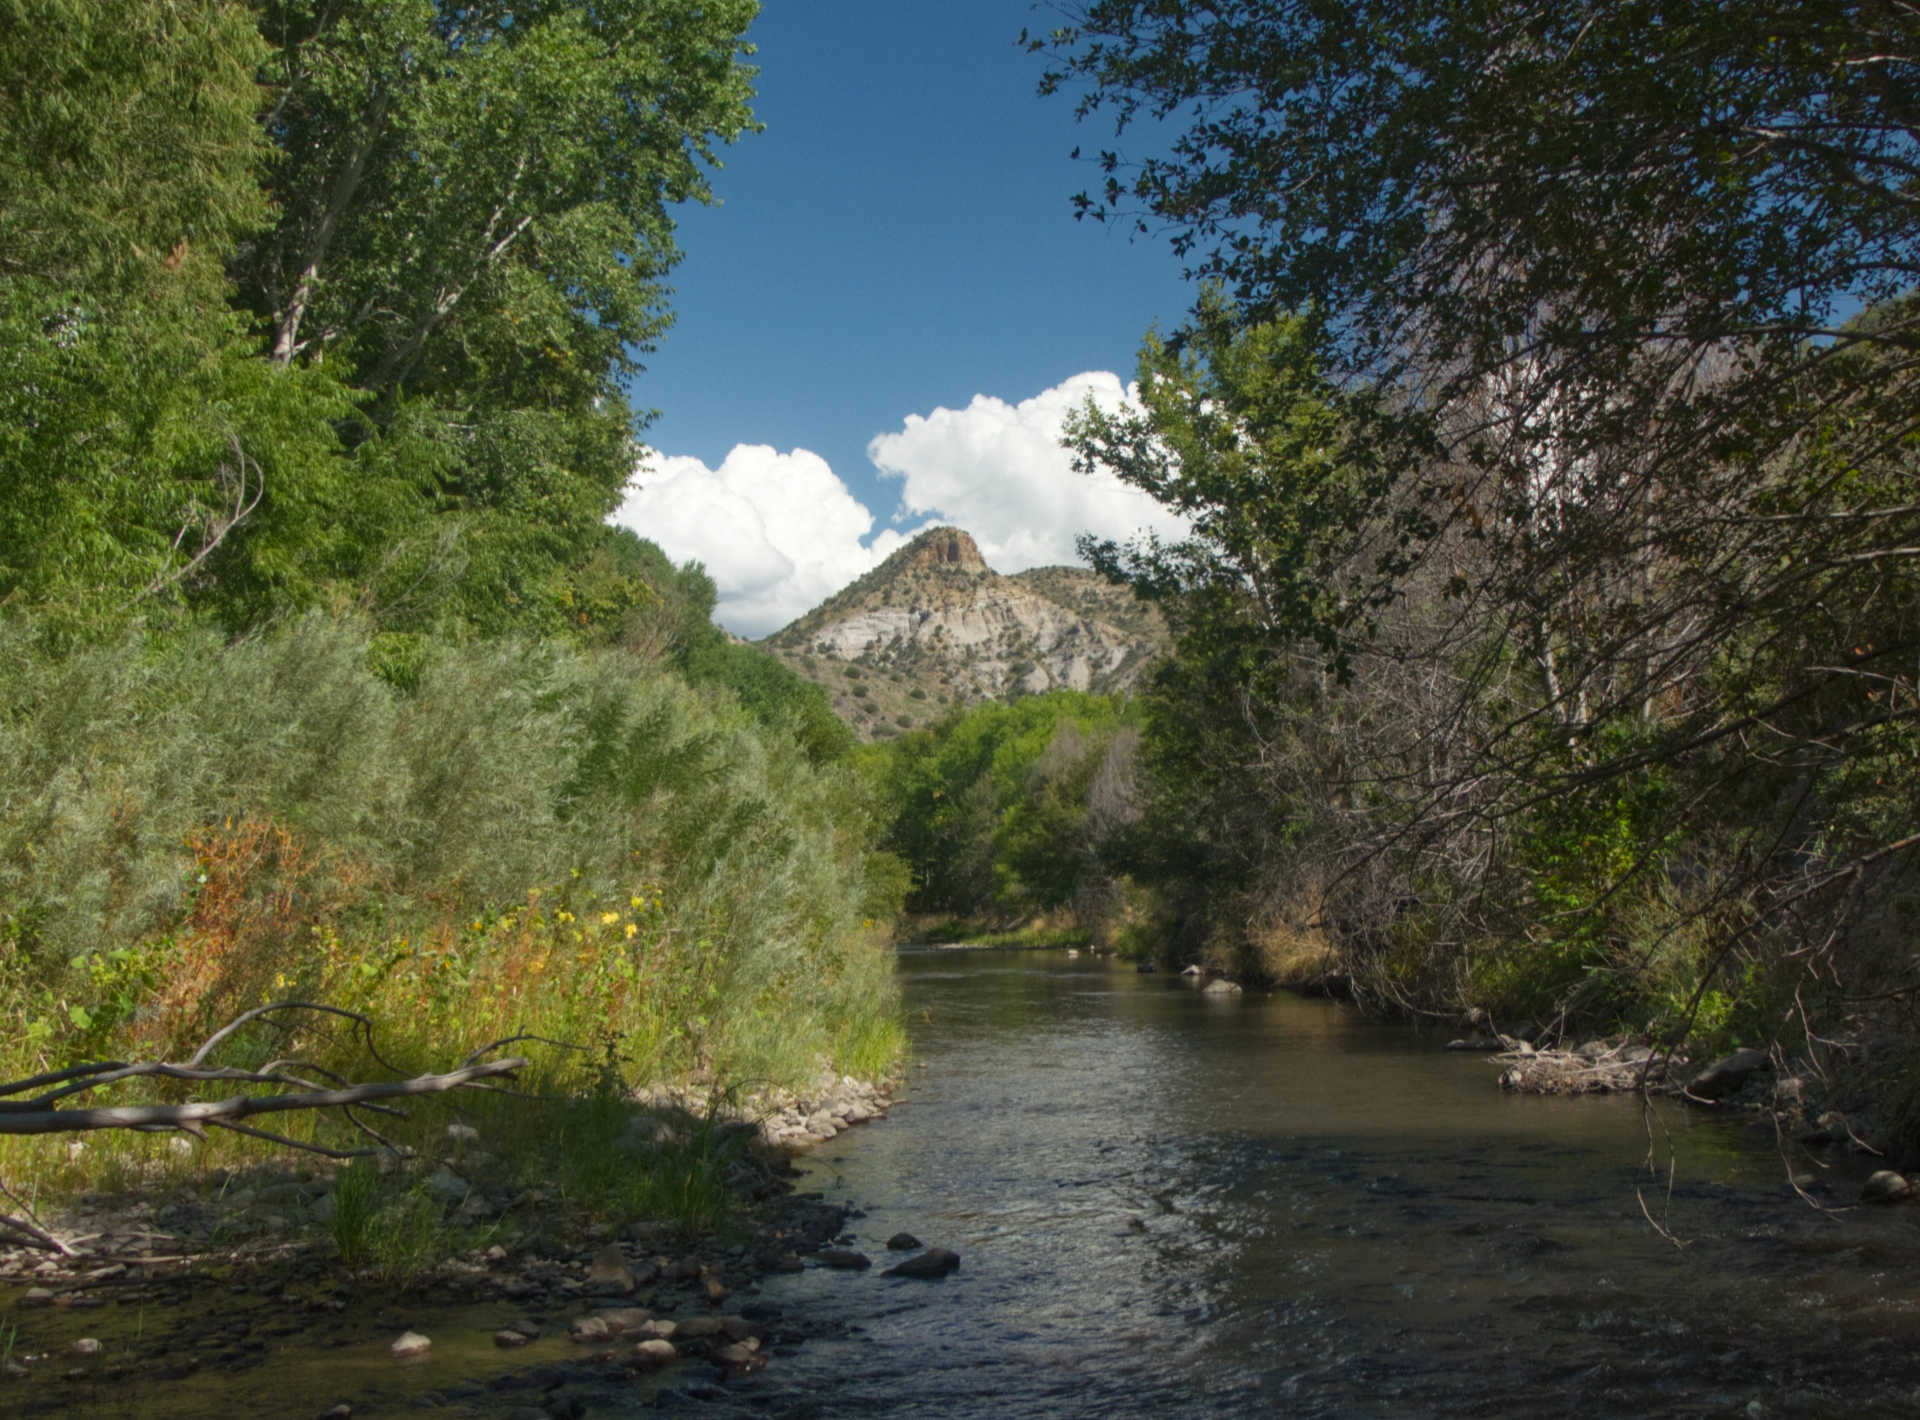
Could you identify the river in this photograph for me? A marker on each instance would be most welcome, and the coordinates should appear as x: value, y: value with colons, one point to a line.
x: 1175, y: 1204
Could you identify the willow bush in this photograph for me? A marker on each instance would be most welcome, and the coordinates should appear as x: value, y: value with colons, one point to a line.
x: 524, y: 837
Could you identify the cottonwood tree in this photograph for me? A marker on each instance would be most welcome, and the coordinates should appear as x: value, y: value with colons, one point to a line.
x: 1633, y: 276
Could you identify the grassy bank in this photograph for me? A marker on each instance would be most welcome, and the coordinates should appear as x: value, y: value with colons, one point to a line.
x: 504, y: 839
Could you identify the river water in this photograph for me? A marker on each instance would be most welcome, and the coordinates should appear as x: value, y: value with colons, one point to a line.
x: 1177, y: 1204
x: 1172, y: 1204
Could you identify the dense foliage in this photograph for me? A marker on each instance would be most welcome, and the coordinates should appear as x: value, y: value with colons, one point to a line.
x: 338, y: 305
x: 1547, y: 632
x: 321, y: 671
x: 1001, y: 812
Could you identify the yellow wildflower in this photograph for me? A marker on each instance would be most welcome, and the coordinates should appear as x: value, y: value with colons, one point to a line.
x: 607, y: 919
x: 631, y: 929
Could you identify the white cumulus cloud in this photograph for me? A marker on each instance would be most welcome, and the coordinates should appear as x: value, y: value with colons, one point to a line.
x: 778, y: 533
x: 997, y: 470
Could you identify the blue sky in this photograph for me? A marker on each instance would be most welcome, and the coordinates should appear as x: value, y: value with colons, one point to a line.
x: 898, y: 240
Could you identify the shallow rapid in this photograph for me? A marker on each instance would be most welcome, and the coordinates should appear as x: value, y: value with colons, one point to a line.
x: 1176, y: 1204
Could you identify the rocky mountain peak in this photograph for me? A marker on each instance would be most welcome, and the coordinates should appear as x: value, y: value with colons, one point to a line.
x: 944, y: 547
x: 934, y: 626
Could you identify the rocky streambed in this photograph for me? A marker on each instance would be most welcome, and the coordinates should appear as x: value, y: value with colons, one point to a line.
x: 224, y: 1294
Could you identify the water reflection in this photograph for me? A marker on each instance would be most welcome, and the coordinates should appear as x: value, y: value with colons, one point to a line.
x: 1177, y: 1205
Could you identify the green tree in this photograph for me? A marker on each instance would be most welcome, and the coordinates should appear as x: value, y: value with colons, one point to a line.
x: 472, y: 228
x: 142, y: 442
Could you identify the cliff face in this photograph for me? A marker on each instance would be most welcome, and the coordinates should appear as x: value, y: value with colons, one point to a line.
x: 933, y: 625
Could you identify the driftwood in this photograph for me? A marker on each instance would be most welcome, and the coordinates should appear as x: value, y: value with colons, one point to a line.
x: 284, y: 1086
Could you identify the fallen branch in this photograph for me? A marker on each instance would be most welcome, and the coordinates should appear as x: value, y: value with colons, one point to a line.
x: 43, y: 1113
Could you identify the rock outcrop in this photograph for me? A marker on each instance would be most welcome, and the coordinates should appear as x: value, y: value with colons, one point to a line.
x: 933, y: 626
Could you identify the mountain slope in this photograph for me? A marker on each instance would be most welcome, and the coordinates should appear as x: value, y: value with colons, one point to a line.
x: 934, y: 625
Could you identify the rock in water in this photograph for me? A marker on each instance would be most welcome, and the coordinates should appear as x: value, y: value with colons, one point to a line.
x: 509, y: 1339
x: 934, y: 1262
x: 411, y: 1343
x: 903, y: 1242
x: 1221, y: 987
x: 609, y: 1274
x: 843, y: 1259
x: 1886, y: 1186
x: 1191, y: 970
x: 1729, y: 1073
x: 742, y: 1356
x: 1477, y: 1042
x: 589, y: 1329
x: 653, y: 1354
x: 625, y: 1321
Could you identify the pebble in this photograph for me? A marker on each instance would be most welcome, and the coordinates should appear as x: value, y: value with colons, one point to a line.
x: 411, y: 1343
x: 86, y: 1346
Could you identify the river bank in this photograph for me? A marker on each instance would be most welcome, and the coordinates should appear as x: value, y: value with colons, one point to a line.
x: 232, y: 1282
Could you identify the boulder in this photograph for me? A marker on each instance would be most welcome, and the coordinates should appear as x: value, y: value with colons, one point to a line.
x: 903, y: 1242
x: 843, y: 1259
x: 1886, y: 1186
x: 1729, y: 1073
x: 934, y: 1262
x: 1220, y: 986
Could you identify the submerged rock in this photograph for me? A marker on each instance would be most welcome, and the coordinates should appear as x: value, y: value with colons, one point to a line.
x: 903, y: 1242
x: 843, y: 1259
x: 934, y: 1262
x: 1221, y: 987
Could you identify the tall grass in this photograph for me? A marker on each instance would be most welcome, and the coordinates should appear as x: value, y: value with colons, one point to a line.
x: 525, y: 839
